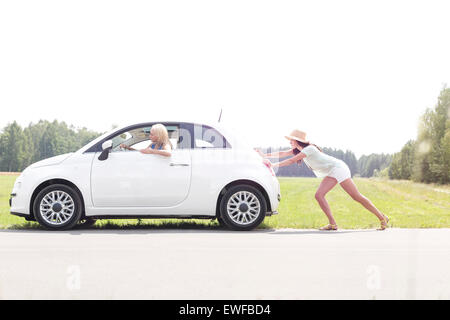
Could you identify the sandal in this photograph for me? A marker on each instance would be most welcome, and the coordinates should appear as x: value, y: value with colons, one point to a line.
x: 384, y: 223
x: 329, y: 227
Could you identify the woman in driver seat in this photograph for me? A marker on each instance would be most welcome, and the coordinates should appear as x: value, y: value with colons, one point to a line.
x: 160, y: 142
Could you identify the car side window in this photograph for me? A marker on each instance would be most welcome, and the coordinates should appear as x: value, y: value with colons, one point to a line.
x: 138, y: 138
x: 207, y: 137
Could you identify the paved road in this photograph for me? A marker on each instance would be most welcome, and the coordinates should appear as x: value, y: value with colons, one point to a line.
x: 199, y: 264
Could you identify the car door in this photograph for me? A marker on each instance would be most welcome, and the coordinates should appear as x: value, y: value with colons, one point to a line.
x: 134, y: 179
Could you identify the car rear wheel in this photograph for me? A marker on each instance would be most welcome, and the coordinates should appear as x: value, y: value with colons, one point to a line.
x: 242, y: 208
x: 57, y: 207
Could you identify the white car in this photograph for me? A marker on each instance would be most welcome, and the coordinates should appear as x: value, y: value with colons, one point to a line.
x: 210, y: 175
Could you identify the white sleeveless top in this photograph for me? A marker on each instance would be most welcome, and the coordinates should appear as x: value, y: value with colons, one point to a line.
x: 321, y: 163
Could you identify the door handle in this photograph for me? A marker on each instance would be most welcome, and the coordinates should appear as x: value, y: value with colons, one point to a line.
x: 179, y: 164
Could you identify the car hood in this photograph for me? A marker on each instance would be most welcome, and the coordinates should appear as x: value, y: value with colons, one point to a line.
x: 51, y: 161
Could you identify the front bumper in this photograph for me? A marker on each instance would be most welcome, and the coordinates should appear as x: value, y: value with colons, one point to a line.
x: 19, y: 214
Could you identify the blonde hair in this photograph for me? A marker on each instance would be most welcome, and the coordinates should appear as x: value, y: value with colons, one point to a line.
x: 160, y: 131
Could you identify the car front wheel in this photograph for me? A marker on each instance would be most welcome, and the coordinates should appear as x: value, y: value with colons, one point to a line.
x: 242, y: 208
x: 57, y: 207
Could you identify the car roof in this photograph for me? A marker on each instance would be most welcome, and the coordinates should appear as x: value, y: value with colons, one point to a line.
x: 207, y: 123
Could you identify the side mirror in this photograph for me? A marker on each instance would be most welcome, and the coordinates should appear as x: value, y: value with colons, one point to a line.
x: 106, y: 147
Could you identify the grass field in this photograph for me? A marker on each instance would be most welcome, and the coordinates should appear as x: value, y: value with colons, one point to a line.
x: 408, y: 204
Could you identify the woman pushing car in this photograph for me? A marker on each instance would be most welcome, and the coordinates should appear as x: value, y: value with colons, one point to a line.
x: 332, y: 170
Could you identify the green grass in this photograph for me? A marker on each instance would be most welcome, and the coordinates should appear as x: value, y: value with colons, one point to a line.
x: 408, y: 204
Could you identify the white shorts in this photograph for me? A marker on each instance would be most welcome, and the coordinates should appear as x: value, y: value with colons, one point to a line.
x: 340, y: 173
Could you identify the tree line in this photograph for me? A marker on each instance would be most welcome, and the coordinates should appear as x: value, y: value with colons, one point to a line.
x: 427, y: 159
x: 20, y: 147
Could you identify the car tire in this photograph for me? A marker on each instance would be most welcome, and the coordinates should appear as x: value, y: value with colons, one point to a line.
x: 242, y: 208
x: 57, y: 207
x: 221, y: 223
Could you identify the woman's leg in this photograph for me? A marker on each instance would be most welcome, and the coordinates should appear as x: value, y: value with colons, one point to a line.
x: 326, y: 185
x: 350, y: 187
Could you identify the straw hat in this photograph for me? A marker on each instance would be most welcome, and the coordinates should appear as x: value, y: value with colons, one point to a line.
x: 297, y: 135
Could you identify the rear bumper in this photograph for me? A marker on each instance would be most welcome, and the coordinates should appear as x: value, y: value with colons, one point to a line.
x: 274, y: 194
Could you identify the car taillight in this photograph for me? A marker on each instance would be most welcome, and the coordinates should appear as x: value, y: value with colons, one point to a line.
x: 270, y: 168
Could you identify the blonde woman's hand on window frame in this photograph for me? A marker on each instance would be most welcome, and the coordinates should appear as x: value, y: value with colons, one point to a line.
x: 124, y: 146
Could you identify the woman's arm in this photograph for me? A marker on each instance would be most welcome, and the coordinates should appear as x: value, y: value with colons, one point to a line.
x: 124, y: 146
x: 166, y: 152
x: 280, y: 154
x: 290, y: 161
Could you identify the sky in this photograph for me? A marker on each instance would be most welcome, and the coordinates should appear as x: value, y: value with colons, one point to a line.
x: 354, y: 75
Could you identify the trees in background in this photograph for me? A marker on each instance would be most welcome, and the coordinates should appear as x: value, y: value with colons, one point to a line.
x: 402, y: 162
x: 371, y: 165
x: 19, y: 147
x: 427, y: 159
x: 13, y: 143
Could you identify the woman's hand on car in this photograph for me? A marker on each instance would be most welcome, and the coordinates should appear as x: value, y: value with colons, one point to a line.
x: 260, y: 153
x: 267, y: 162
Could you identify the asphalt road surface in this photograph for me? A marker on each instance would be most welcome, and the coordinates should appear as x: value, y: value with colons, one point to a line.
x: 212, y: 264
